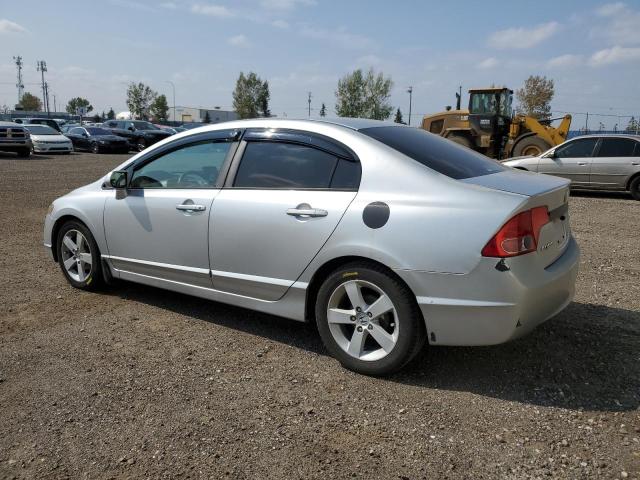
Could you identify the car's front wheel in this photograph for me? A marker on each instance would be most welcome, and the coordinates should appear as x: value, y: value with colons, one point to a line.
x: 78, y: 256
x: 368, y: 319
x: 95, y: 148
x: 141, y: 144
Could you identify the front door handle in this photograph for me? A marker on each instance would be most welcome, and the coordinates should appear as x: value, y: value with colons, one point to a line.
x: 582, y: 164
x: 305, y: 210
x: 190, y: 207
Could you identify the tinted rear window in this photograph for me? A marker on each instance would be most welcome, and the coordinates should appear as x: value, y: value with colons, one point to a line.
x: 435, y: 152
x: 617, y: 147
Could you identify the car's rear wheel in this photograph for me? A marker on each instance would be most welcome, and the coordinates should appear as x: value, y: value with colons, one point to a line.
x: 368, y: 319
x: 78, y: 256
x: 634, y: 188
x: 95, y: 148
x: 141, y: 144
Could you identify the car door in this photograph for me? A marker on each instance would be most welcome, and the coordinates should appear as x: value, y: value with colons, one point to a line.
x: 615, y: 162
x: 159, y: 228
x: 75, y: 134
x: 285, y: 195
x: 570, y: 160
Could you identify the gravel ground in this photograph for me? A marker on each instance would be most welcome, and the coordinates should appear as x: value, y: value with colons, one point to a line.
x: 137, y: 382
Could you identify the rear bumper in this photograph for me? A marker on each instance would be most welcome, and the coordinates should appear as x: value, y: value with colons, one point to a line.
x: 488, y: 306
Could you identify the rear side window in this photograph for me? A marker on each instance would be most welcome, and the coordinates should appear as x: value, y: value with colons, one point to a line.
x: 437, y: 153
x: 269, y: 164
x: 617, y: 147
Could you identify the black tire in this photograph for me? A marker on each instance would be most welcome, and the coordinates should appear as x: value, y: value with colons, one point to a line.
x: 461, y: 140
x: 140, y: 144
x: 24, y: 153
x: 634, y: 187
x: 532, y: 145
x: 95, y: 148
x: 94, y: 279
x: 411, y: 333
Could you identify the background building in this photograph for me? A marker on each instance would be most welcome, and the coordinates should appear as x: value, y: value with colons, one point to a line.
x: 195, y: 114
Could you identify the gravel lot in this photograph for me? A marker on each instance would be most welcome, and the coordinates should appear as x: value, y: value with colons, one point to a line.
x: 137, y: 382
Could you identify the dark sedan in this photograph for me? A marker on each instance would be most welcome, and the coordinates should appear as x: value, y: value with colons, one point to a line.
x: 97, y: 140
x: 139, y: 133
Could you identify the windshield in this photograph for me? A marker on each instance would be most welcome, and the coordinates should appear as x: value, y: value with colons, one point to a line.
x: 41, y: 130
x: 97, y: 131
x: 483, y: 103
x: 505, y: 103
x: 144, y: 125
x: 435, y: 152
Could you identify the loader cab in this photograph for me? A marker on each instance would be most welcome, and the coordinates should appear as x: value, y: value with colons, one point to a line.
x: 490, y: 112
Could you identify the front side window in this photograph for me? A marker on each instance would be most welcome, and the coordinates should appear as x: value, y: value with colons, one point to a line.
x: 192, y: 166
x: 617, y: 147
x: 272, y: 164
x: 577, y: 148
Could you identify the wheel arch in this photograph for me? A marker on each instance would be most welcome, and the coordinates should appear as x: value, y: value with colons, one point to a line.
x: 631, y: 179
x: 321, y: 274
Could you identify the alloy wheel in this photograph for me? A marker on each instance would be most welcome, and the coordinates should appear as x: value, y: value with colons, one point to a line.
x: 76, y: 255
x: 363, y: 320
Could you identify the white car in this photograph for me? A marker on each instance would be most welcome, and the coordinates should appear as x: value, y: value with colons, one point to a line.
x: 47, y: 140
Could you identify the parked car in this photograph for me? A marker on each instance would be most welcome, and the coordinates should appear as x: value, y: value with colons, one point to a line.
x: 39, y: 121
x: 601, y: 162
x: 47, y: 140
x: 385, y: 235
x: 140, y: 133
x: 68, y: 126
x: 15, y: 138
x: 97, y: 140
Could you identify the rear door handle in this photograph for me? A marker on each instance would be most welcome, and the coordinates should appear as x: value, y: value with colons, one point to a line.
x: 582, y: 164
x: 190, y: 207
x: 305, y: 210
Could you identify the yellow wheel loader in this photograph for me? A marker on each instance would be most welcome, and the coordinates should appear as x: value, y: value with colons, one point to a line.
x: 489, y: 127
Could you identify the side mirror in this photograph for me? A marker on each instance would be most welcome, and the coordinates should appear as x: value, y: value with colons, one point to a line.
x: 84, y: 134
x: 118, y: 179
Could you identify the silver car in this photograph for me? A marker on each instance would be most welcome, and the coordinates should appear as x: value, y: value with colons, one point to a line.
x: 385, y: 236
x: 598, y: 162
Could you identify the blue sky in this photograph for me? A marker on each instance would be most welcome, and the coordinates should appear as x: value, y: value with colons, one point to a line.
x: 93, y: 49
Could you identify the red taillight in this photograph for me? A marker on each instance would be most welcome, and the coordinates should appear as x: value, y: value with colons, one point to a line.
x: 519, y: 235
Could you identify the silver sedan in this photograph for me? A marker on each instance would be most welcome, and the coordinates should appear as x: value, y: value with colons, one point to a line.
x: 598, y: 162
x: 385, y: 236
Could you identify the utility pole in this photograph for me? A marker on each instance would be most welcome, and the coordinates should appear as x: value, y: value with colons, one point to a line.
x: 42, y: 67
x: 586, y: 124
x: 410, y: 92
x: 174, y: 99
x: 20, y: 85
x: 309, y: 102
x: 55, y: 109
x: 46, y: 89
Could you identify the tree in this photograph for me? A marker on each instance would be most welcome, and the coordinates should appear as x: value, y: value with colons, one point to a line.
x: 30, y: 102
x: 632, y: 126
x: 365, y: 96
x: 160, y: 108
x: 323, y: 110
x: 398, y: 118
x: 96, y: 118
x: 535, y: 97
x: 75, y: 103
x: 111, y: 115
x: 251, y: 96
x: 207, y: 118
x: 139, y: 99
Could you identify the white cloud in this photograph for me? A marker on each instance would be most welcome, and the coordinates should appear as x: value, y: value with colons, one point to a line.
x: 212, y: 10
x: 339, y: 37
x: 609, y: 9
x: 280, y: 24
x: 615, y: 54
x: 285, y: 4
x: 623, y: 26
x: 7, y: 26
x: 518, y: 38
x: 487, y: 63
x: 565, y: 61
x: 239, y: 41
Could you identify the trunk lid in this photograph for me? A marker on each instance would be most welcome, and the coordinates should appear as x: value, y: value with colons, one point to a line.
x: 541, y: 190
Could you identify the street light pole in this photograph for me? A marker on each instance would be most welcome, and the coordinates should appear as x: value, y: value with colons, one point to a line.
x: 410, y: 91
x: 174, y: 98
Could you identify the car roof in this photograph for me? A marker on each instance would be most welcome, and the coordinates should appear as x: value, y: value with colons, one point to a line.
x: 10, y: 124
x: 608, y: 135
x: 354, y: 123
